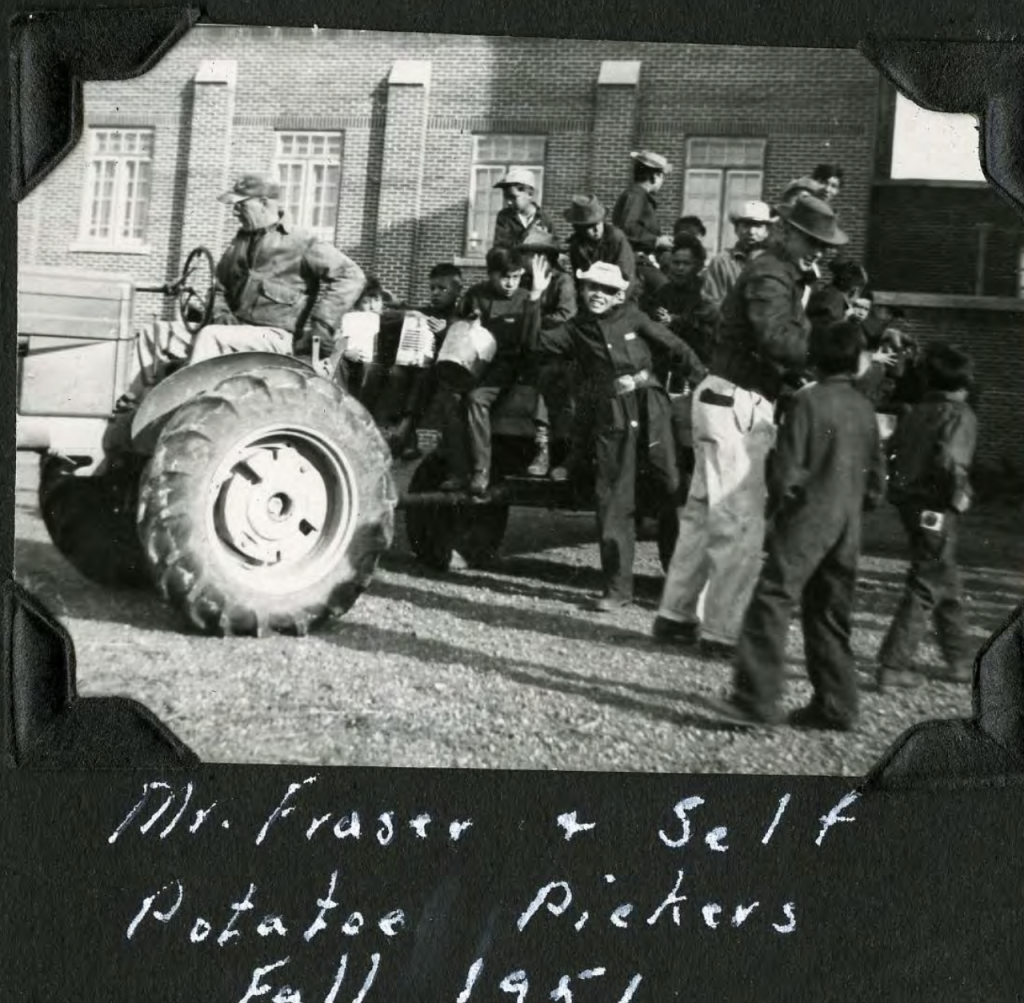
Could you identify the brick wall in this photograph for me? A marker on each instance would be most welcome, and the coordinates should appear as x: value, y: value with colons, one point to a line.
x: 925, y: 238
x: 810, y: 105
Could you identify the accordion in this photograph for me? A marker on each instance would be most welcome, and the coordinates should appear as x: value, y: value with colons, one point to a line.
x: 416, y: 342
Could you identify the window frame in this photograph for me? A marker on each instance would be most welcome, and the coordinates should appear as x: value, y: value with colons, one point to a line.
x: 115, y: 243
x: 475, y: 255
x: 725, y: 167
x: 307, y: 162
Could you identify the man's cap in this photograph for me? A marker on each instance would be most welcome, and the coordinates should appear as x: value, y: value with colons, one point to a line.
x: 518, y: 176
x: 806, y: 184
x: 250, y: 186
x: 603, y: 273
x: 539, y: 240
x: 814, y: 217
x: 752, y: 212
x: 651, y: 159
x: 585, y: 210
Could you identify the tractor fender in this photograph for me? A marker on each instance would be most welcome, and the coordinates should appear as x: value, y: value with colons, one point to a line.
x: 191, y: 381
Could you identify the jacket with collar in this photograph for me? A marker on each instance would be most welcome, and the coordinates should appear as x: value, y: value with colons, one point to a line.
x: 510, y: 231
x: 764, y: 333
x: 636, y: 215
x: 289, y: 279
x: 613, y: 248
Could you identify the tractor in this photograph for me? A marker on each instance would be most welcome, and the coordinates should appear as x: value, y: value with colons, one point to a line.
x: 254, y: 492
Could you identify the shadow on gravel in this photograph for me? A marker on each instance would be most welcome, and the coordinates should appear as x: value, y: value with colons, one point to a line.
x: 41, y: 569
x: 596, y: 689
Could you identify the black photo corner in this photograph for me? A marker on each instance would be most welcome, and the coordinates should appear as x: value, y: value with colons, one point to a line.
x: 132, y: 870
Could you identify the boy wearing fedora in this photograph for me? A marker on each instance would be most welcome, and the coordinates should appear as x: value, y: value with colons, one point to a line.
x: 826, y: 470
x: 276, y: 287
x: 596, y: 238
x: 751, y: 224
x: 934, y: 447
x: 550, y: 376
x: 761, y: 347
x: 520, y: 215
x: 613, y: 342
x: 636, y: 214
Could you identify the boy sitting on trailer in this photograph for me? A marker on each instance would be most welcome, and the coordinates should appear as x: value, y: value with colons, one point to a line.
x: 500, y: 305
x: 414, y: 386
x: 612, y: 341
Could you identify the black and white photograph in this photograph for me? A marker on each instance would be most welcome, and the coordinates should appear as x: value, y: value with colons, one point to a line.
x: 431, y: 400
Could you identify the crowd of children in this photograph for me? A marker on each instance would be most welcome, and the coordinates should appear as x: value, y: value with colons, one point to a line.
x: 641, y: 351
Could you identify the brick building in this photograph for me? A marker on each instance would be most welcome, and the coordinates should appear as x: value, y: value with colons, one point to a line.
x: 389, y: 144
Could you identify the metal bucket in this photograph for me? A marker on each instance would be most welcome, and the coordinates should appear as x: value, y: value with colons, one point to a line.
x: 359, y: 333
x: 467, y: 351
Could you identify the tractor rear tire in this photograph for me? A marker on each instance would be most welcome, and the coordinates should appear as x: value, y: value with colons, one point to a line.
x: 437, y: 532
x: 91, y: 521
x: 268, y: 503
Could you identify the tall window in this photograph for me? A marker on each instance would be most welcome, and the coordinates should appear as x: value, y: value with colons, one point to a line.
x: 721, y: 174
x: 116, y: 207
x: 308, y: 166
x: 493, y: 156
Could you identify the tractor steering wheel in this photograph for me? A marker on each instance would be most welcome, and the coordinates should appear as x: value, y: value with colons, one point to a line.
x: 196, y: 290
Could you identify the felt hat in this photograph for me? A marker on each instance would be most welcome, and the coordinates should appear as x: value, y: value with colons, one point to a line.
x: 250, y: 186
x: 805, y: 184
x: 539, y: 240
x: 815, y: 218
x: 753, y: 211
x: 603, y: 273
x: 585, y: 210
x: 651, y: 159
x: 518, y: 176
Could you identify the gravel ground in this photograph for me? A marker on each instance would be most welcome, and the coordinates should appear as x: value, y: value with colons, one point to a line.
x: 498, y: 669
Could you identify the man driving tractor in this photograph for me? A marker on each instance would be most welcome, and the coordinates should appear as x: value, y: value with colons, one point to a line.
x: 277, y: 287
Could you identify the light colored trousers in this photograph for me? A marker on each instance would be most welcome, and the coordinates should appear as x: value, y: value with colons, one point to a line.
x: 721, y: 531
x: 223, y: 339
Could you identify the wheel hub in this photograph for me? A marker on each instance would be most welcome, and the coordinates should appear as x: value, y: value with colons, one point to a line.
x: 274, y: 505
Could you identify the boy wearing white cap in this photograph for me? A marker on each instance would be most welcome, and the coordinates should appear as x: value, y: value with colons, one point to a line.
x: 520, y: 215
x: 613, y: 343
x: 751, y: 224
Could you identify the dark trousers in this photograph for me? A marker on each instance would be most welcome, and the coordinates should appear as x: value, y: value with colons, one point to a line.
x: 621, y: 456
x: 466, y: 415
x: 931, y: 592
x: 819, y: 572
x: 553, y: 379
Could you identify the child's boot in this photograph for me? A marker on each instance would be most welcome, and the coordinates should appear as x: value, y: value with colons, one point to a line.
x: 542, y: 458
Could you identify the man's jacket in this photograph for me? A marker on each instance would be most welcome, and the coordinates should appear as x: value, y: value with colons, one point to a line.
x: 510, y: 231
x: 763, y: 337
x: 286, y: 278
x: 934, y: 448
x: 827, y: 465
x: 636, y: 214
x: 613, y: 247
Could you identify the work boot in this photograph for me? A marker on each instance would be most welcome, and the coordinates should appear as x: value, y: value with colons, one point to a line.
x: 542, y: 459
x: 479, y: 484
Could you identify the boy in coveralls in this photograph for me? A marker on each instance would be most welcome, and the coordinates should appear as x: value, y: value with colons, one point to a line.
x: 934, y: 447
x: 827, y: 467
x: 611, y: 340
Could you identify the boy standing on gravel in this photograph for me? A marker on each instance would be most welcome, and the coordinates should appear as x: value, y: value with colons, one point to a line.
x: 826, y: 469
x: 612, y: 341
x: 934, y: 447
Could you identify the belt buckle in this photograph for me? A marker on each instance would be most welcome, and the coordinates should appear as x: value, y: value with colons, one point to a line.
x: 626, y: 384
